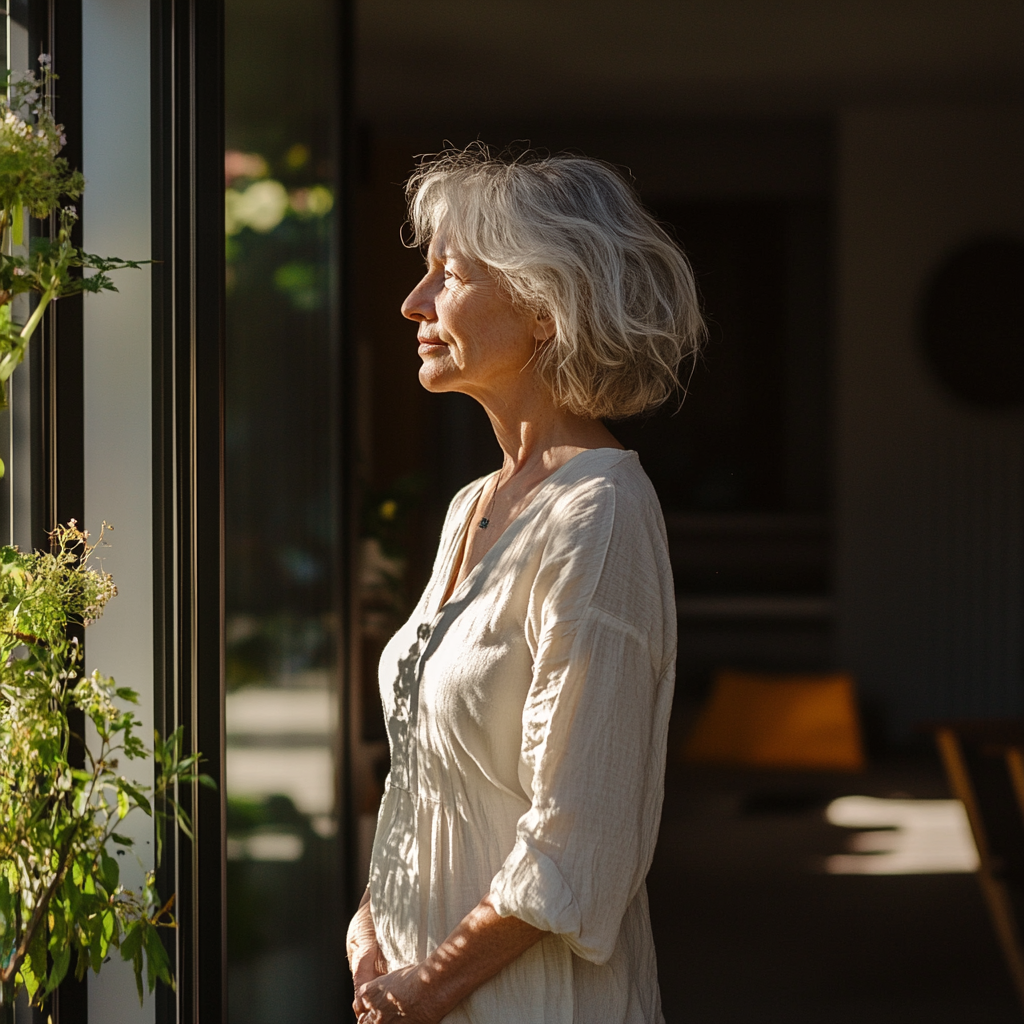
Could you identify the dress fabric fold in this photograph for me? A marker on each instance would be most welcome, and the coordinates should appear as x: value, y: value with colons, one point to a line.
x: 528, y: 720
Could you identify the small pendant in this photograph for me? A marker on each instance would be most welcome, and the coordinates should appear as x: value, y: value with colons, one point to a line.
x: 484, y: 523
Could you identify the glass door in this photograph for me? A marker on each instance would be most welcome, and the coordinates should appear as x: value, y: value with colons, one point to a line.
x: 283, y: 458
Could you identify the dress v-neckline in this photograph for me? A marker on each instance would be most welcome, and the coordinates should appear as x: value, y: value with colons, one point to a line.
x: 451, y: 588
x: 456, y: 559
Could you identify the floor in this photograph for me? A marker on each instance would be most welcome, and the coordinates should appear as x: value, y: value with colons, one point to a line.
x: 751, y: 930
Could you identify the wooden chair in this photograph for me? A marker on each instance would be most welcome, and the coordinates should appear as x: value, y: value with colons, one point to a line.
x: 984, y: 764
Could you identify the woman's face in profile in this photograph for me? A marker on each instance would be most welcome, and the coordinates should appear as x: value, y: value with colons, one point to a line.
x: 472, y: 338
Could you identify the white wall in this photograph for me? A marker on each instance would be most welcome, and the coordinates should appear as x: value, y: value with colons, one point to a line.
x: 118, y: 383
x: 930, y: 492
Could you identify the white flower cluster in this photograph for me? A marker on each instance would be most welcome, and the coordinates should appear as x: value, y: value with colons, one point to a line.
x: 16, y: 125
x: 27, y: 125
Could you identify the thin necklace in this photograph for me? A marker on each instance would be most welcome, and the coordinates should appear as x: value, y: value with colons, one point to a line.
x: 485, y: 522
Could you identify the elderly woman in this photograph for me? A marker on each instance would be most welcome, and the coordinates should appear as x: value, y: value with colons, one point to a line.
x: 528, y: 695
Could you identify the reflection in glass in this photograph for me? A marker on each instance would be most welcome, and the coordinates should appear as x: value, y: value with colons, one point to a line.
x: 15, y: 423
x: 284, y: 963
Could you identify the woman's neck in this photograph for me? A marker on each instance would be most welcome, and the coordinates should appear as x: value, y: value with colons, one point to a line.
x: 537, y: 437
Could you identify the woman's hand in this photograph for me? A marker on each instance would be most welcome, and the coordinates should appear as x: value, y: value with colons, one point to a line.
x: 398, y: 996
x: 365, y: 959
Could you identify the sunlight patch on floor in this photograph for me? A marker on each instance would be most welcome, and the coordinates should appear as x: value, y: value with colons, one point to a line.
x: 905, y: 837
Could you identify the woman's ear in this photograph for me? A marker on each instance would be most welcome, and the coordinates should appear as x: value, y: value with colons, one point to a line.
x: 544, y: 329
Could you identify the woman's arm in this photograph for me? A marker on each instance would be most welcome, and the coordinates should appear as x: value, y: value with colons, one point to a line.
x: 480, y: 946
x: 365, y: 959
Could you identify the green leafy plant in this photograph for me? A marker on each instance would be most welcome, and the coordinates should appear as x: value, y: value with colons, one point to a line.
x: 35, y: 180
x: 60, y: 888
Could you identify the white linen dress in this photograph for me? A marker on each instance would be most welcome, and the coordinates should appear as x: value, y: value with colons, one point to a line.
x: 527, y: 719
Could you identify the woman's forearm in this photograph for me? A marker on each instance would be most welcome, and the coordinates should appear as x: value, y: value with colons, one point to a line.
x: 479, y: 947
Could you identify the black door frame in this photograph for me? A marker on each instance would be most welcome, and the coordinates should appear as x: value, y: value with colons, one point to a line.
x: 188, y: 467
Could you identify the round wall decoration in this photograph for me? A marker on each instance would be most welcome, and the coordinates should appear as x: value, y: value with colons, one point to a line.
x: 972, y: 322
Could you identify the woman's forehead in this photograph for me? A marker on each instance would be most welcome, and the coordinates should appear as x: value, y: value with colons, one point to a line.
x: 442, y: 241
x: 443, y: 250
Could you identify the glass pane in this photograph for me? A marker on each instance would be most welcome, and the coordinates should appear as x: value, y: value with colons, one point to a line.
x: 15, y: 424
x: 284, y: 962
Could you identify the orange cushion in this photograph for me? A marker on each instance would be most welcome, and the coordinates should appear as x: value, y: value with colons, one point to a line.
x: 779, y: 721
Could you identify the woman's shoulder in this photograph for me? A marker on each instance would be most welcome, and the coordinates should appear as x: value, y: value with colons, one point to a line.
x: 600, y: 493
x: 601, y: 539
x: 607, y: 476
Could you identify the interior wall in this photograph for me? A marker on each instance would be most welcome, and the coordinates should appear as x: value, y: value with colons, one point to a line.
x: 930, y: 492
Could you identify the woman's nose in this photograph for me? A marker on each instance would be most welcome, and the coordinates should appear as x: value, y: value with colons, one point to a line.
x: 419, y: 304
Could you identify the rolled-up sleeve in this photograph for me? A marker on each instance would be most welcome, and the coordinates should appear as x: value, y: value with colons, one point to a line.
x: 594, y: 733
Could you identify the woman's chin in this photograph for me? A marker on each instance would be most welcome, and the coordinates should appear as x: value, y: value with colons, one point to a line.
x: 438, y: 378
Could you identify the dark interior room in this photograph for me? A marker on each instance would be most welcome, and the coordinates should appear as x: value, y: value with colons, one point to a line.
x: 842, y: 483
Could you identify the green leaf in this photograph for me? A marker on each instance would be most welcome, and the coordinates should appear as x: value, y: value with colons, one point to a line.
x: 137, y: 966
x: 58, y: 928
x: 28, y: 979
x: 6, y: 916
x: 157, y: 964
x: 137, y: 797
x: 110, y: 872
x: 72, y: 894
x: 122, y: 840
x: 94, y: 929
x: 122, y: 803
x: 184, y: 822
x: 170, y: 747
x: 103, y: 925
x: 132, y: 941
x: 33, y: 967
x: 60, y: 962
x: 81, y: 963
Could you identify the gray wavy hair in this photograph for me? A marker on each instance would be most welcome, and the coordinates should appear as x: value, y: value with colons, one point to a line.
x: 568, y: 237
